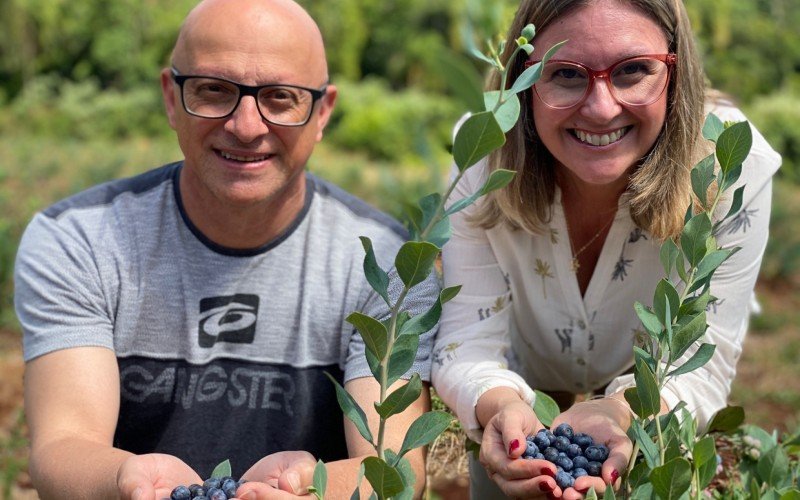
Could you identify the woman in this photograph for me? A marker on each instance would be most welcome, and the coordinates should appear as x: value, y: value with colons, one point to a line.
x: 552, y: 264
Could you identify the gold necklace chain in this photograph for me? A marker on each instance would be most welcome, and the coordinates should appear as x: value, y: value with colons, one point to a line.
x: 575, y: 263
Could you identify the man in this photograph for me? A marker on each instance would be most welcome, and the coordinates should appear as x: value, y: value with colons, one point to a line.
x: 187, y: 316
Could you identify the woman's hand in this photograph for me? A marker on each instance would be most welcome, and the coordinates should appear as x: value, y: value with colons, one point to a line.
x: 606, y: 420
x: 504, y: 443
x: 285, y: 474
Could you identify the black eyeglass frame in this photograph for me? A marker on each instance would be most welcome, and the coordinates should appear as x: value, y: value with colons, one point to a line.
x: 669, y: 59
x: 251, y: 90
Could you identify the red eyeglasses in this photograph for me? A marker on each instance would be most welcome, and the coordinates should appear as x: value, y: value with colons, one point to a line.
x: 635, y: 81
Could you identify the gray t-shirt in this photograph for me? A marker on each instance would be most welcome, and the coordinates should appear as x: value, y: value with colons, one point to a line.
x: 221, y: 352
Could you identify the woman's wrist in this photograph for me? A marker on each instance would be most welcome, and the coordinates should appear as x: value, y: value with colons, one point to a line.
x: 493, y: 401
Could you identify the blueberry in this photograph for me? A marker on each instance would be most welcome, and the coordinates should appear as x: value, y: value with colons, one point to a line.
x: 580, y: 462
x: 211, y: 482
x: 564, y: 480
x: 229, y: 487
x: 216, y: 494
x: 541, y: 439
x: 550, y: 454
x: 597, y: 453
x: 200, y: 497
x: 550, y: 435
x: 582, y: 440
x: 594, y: 468
x: 578, y: 472
x: 531, y: 450
x: 564, y: 430
x: 562, y: 443
x: 197, y: 491
x: 539, y: 456
x: 574, y: 450
x: 180, y: 493
x: 564, y: 462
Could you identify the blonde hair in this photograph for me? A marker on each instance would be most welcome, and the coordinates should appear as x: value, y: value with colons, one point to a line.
x: 659, y: 189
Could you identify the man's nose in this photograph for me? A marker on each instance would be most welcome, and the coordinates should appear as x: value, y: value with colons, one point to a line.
x: 246, y: 122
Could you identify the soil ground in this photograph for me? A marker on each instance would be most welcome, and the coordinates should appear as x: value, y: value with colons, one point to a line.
x: 767, y: 385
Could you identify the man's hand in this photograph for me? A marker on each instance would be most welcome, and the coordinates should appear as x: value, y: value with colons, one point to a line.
x: 153, y: 476
x: 282, y: 475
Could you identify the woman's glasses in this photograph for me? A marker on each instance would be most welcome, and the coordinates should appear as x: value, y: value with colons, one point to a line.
x: 635, y: 81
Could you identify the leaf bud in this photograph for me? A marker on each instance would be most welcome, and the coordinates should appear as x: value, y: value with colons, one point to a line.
x: 521, y: 41
x: 528, y: 48
x: 528, y: 32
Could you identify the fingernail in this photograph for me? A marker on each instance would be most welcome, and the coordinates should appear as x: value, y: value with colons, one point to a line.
x: 250, y: 495
x: 513, y: 446
x: 584, y: 490
x: 614, y: 476
x: 294, y: 481
x: 543, y: 486
x: 547, y: 471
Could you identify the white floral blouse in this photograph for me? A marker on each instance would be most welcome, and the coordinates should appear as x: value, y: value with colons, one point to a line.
x: 520, y: 320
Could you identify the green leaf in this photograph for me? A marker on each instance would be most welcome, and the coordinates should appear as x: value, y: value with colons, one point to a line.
x: 469, y: 44
x: 404, y: 352
x: 637, y: 434
x: 385, y: 480
x: 401, y: 398
x: 672, y: 480
x: 793, y: 494
x: 705, y: 460
x: 403, y: 466
x: 730, y: 177
x: 669, y: 250
x: 698, y: 359
x: 665, y: 296
x: 591, y: 494
x: 508, y: 112
x: 425, y: 429
x: 702, y: 176
x: 736, y: 204
x: 460, y: 76
x: 351, y: 409
x: 497, y: 179
x: 727, y: 419
x: 377, y: 278
x: 773, y: 467
x: 643, y: 492
x: 478, y: 136
x: 686, y: 335
x: 357, y: 493
x: 421, y: 323
x: 649, y: 399
x: 533, y: 73
x: 696, y: 305
x: 374, y: 333
x: 609, y: 494
x: 649, y: 320
x: 733, y: 145
x: 645, y: 356
x: 712, y: 127
x: 414, y: 261
x: 545, y: 408
x: 222, y: 469
x: 320, y: 480
x: 694, y: 236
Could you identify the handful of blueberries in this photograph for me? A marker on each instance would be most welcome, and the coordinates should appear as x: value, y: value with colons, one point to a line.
x: 573, y: 454
x: 215, y: 488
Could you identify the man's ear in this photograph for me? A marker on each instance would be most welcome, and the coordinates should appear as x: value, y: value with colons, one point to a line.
x: 168, y: 93
x: 325, y: 109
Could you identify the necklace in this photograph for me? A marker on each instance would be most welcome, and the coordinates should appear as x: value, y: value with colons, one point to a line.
x: 575, y: 263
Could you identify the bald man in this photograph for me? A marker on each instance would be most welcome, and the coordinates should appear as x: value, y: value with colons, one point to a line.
x: 187, y: 315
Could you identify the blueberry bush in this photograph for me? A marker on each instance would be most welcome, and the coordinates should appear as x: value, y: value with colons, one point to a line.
x: 392, y: 343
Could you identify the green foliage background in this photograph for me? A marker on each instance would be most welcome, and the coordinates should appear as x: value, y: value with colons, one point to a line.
x: 80, y: 98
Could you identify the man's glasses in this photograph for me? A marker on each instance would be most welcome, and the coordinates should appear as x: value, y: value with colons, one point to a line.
x: 635, y: 81
x: 209, y: 97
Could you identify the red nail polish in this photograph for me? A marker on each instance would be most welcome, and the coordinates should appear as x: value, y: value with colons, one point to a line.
x: 513, y: 446
x: 543, y: 486
x: 614, y: 476
x: 548, y: 472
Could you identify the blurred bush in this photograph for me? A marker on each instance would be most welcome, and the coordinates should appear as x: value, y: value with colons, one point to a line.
x: 781, y: 262
x: 777, y: 117
x: 53, y: 106
x: 403, y: 126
